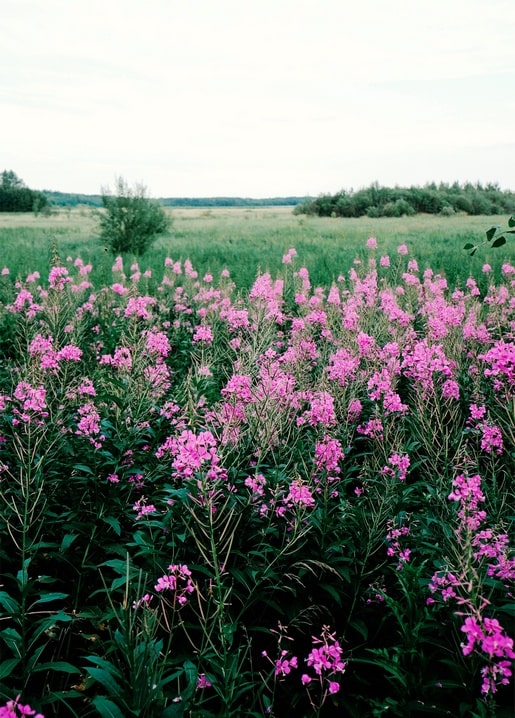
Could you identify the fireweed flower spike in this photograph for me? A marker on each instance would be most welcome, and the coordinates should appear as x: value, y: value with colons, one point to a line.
x: 178, y: 581
x: 325, y: 660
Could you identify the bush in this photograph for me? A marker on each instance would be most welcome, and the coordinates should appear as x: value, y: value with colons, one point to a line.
x: 131, y: 220
x: 447, y: 211
x: 373, y: 212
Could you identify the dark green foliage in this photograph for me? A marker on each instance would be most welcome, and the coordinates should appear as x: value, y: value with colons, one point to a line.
x: 67, y: 199
x: 15, y: 196
x: 444, y: 199
x: 131, y: 220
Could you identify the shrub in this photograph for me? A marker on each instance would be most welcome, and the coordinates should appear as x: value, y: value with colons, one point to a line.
x: 447, y: 211
x: 131, y: 220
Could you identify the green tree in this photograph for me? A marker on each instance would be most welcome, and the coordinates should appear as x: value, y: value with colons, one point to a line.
x: 131, y: 221
x: 15, y: 196
x: 10, y: 180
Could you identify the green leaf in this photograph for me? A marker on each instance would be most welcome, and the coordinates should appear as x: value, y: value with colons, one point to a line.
x: 361, y: 627
x: 106, y: 679
x: 117, y: 564
x: 499, y: 242
x: 85, y: 469
x: 491, y: 232
x: 511, y: 222
x: 508, y: 608
x: 113, y: 523
x: 9, y: 603
x: 48, y: 597
x: 62, y: 666
x: 469, y: 245
x: 107, y: 708
x: 174, y: 710
x: 7, y: 667
x: 331, y: 590
x: 67, y: 541
x: 102, y: 663
x: 191, y: 675
x: 12, y: 638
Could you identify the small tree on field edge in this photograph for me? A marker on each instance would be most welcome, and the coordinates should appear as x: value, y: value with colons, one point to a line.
x: 131, y: 221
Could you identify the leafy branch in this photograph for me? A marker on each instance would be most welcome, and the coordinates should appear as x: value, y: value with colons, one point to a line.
x: 495, y: 237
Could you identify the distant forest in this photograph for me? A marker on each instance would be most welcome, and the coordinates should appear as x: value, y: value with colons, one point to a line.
x: 373, y: 201
x: 65, y: 199
x: 15, y: 196
x: 443, y: 199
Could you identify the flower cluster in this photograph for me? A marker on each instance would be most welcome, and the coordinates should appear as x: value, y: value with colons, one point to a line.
x: 177, y: 580
x: 485, y: 635
x: 325, y: 660
x: 15, y: 709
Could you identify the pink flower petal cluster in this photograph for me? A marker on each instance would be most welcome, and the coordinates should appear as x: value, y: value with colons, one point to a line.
x: 178, y: 580
x: 15, y: 709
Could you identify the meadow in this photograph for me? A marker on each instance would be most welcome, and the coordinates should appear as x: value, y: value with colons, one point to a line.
x: 248, y: 240
x: 266, y: 470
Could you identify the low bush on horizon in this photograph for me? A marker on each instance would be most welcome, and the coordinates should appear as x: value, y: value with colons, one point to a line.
x: 294, y: 499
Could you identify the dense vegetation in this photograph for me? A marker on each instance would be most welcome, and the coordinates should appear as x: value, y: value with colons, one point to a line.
x: 131, y: 220
x: 376, y: 201
x: 15, y: 196
x: 66, y: 199
x: 291, y: 499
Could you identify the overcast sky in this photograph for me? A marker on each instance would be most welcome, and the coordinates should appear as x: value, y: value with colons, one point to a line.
x: 256, y: 98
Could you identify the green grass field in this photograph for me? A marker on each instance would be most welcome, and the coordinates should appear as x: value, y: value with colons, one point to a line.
x: 248, y: 240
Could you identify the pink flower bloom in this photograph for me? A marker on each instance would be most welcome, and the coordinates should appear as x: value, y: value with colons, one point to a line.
x: 300, y: 495
x: 14, y: 709
x: 284, y: 665
x: 328, y: 454
x: 354, y: 410
x: 451, y: 389
x: 157, y: 343
x: 371, y: 243
x: 119, y: 289
x: 58, y: 277
x: 290, y: 254
x: 203, y: 333
x: 177, y: 580
x: 491, y: 439
x: 143, y: 509
x: 402, y: 249
x: 202, y: 681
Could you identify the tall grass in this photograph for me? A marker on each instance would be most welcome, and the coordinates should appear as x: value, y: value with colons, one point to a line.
x: 249, y: 240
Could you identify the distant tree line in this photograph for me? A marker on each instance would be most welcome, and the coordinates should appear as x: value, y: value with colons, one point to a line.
x: 443, y: 199
x: 15, y: 196
x: 232, y: 201
x: 65, y: 199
